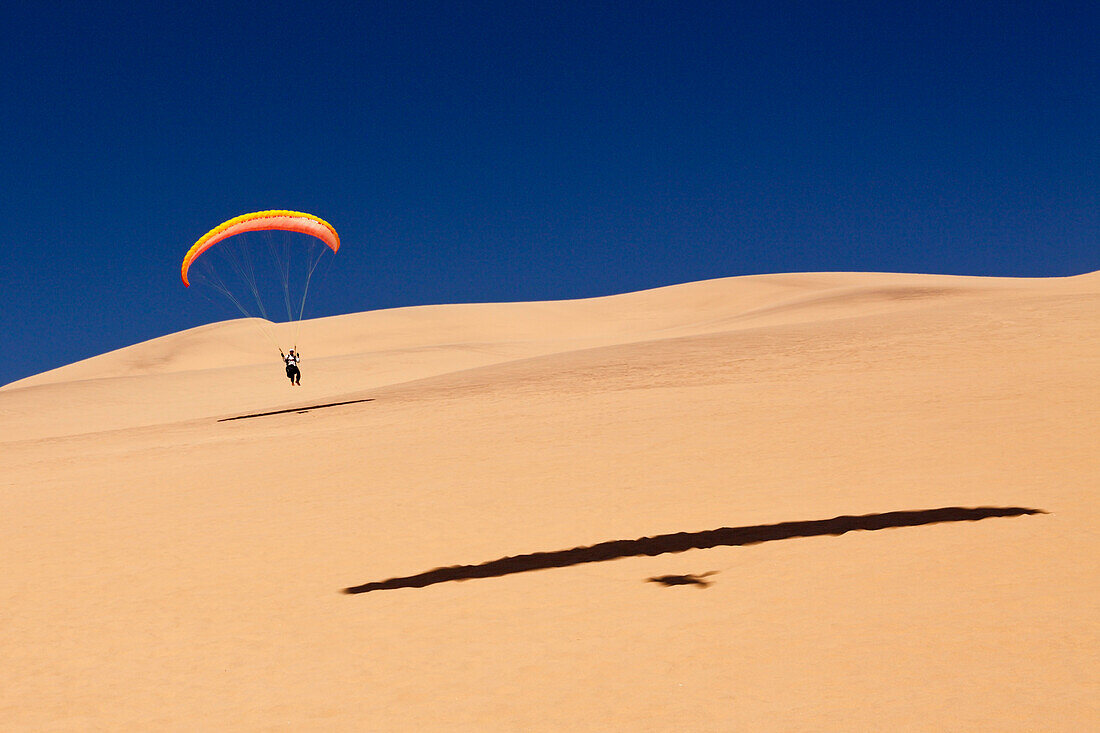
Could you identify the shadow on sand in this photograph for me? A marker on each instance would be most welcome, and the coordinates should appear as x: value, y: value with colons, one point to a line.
x: 299, y: 410
x: 683, y: 541
x: 699, y: 581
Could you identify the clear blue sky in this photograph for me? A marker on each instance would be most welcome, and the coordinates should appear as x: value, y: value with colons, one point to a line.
x: 493, y: 151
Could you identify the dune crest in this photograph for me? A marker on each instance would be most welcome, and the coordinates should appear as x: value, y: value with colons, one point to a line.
x: 641, y: 315
x: 348, y: 353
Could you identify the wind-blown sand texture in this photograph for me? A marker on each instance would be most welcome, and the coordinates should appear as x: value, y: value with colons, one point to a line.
x: 780, y: 502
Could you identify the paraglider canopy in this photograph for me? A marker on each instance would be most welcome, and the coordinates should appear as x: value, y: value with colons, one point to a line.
x: 277, y: 219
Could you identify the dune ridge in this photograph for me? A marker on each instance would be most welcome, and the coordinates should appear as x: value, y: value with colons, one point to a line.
x: 375, y: 349
x: 673, y: 309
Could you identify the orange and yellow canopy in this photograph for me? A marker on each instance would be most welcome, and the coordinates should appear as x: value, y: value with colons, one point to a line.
x: 290, y: 221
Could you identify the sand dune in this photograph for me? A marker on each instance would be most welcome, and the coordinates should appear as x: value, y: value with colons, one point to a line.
x: 826, y: 501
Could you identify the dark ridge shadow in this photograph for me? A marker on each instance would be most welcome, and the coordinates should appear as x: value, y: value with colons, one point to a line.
x: 299, y: 410
x: 683, y: 541
x: 690, y: 579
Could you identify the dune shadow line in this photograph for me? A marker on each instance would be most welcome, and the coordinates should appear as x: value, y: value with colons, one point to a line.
x: 683, y: 541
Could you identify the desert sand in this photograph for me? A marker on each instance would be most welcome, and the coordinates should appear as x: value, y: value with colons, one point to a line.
x: 821, y: 501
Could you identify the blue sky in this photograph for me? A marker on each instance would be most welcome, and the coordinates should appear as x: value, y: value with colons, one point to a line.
x: 498, y: 151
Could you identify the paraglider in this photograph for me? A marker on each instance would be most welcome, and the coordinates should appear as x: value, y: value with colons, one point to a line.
x: 262, y: 259
x: 292, y: 360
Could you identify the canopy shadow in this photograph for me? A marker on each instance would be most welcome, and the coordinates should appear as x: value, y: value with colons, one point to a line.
x: 683, y: 541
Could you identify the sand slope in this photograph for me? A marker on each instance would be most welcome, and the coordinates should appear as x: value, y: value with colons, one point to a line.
x: 168, y: 569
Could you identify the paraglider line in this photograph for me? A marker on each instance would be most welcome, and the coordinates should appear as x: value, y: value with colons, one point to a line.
x: 305, y: 289
x: 239, y: 261
x: 282, y: 265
